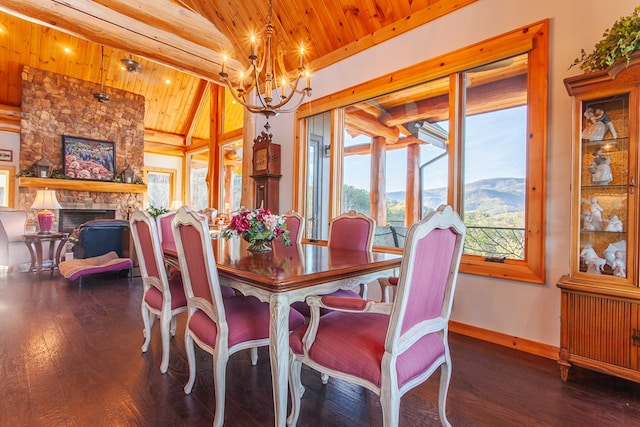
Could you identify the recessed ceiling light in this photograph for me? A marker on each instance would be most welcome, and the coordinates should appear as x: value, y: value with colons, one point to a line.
x: 168, y: 81
x: 67, y: 50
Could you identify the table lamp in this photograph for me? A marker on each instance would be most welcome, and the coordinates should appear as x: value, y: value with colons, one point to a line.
x: 45, y: 200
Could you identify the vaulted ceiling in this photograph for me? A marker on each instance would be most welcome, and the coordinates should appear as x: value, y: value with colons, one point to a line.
x: 180, y: 45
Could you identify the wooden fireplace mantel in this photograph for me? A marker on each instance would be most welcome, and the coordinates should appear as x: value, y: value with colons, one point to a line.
x: 80, y: 185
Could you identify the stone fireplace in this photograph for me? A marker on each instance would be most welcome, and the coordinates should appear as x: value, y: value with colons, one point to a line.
x: 55, y: 105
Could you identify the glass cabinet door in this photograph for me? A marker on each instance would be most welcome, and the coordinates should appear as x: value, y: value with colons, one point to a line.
x: 606, y: 181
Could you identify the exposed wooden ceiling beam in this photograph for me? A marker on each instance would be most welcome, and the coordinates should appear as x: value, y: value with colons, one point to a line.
x: 94, y: 22
x: 163, y: 137
x: 174, y: 19
x: 366, y: 148
x: 368, y: 125
x: 492, y: 96
x: 9, y: 118
x: 164, y: 149
x: 197, y: 108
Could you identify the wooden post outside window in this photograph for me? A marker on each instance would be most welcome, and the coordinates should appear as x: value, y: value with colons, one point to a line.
x: 377, y: 196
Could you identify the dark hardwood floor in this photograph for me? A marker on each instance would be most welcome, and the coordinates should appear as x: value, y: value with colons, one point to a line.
x: 71, y: 356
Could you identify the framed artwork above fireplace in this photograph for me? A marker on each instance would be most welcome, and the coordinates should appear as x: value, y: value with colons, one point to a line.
x: 88, y: 159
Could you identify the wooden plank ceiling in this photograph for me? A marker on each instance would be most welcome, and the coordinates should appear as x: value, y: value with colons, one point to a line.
x: 180, y: 44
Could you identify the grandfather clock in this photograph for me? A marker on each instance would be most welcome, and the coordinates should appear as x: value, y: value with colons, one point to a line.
x: 266, y: 172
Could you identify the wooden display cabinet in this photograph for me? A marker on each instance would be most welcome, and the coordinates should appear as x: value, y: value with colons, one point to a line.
x: 600, y: 316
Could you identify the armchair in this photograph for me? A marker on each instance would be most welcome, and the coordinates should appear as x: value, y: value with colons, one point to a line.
x: 350, y: 231
x: 389, y: 347
x: 101, y: 236
x: 13, y: 251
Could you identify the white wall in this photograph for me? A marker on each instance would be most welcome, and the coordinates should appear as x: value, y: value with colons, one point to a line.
x: 523, y: 310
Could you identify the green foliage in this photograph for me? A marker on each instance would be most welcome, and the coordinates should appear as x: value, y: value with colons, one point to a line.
x: 356, y: 199
x: 155, y: 212
x: 618, y: 42
x: 26, y: 173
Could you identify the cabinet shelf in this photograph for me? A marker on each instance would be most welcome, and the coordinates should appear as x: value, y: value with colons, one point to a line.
x: 79, y: 185
x: 618, y: 187
x: 622, y: 233
x: 606, y: 142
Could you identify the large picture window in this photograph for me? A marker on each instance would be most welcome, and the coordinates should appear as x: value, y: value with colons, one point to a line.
x: 472, y: 135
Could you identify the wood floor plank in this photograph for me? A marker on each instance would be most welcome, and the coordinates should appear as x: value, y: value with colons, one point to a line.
x: 71, y: 356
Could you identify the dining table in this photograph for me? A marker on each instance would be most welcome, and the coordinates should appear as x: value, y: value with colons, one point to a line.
x: 287, y: 274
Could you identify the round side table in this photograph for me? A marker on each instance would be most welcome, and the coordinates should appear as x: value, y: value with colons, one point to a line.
x: 34, y: 243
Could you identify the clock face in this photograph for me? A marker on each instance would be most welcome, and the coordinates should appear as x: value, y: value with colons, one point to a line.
x: 260, y: 160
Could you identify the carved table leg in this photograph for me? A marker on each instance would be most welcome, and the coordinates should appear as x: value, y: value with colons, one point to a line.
x: 279, y: 354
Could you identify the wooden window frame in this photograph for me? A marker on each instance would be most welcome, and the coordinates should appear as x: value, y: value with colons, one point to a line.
x: 172, y: 181
x: 531, y: 39
x: 11, y: 185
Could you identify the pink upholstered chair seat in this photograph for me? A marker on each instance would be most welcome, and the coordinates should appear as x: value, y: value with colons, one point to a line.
x: 303, y: 308
x: 153, y: 296
x: 362, y: 347
x: 247, y: 319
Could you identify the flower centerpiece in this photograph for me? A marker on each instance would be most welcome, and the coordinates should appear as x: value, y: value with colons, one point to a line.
x: 258, y: 227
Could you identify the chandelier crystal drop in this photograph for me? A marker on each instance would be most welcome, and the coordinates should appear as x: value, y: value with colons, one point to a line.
x: 276, y: 93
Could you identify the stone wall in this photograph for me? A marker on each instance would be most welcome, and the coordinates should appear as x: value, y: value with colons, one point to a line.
x: 54, y: 105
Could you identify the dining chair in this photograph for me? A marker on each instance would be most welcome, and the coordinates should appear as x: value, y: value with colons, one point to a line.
x: 295, y: 225
x: 163, y: 296
x: 388, y: 286
x: 389, y: 347
x: 220, y: 326
x: 350, y: 231
x: 165, y: 233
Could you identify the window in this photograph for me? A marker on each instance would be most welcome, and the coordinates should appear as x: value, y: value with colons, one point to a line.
x: 198, y: 166
x: 160, y: 187
x: 471, y: 133
x: 494, y: 151
x: 6, y: 185
x: 231, y: 176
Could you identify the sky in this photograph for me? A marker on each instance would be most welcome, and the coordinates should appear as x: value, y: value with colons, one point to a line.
x: 495, y: 148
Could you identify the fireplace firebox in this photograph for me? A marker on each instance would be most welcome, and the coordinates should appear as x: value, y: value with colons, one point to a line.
x: 73, y: 218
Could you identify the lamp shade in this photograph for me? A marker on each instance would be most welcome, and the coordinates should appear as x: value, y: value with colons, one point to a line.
x: 45, y: 200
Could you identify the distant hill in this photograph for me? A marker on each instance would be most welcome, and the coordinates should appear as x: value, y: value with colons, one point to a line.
x: 496, y: 195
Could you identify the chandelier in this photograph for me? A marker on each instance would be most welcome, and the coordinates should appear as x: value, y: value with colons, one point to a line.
x: 273, y: 98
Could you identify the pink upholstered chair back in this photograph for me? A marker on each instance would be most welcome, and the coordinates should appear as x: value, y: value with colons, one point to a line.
x: 352, y: 230
x: 197, y: 264
x: 145, y: 238
x: 164, y: 226
x: 428, y: 273
x: 295, y: 225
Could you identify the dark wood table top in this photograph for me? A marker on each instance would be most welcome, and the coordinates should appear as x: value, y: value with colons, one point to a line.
x: 293, y: 267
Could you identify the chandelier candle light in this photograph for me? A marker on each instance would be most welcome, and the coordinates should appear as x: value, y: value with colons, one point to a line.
x: 45, y: 200
x: 270, y: 101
